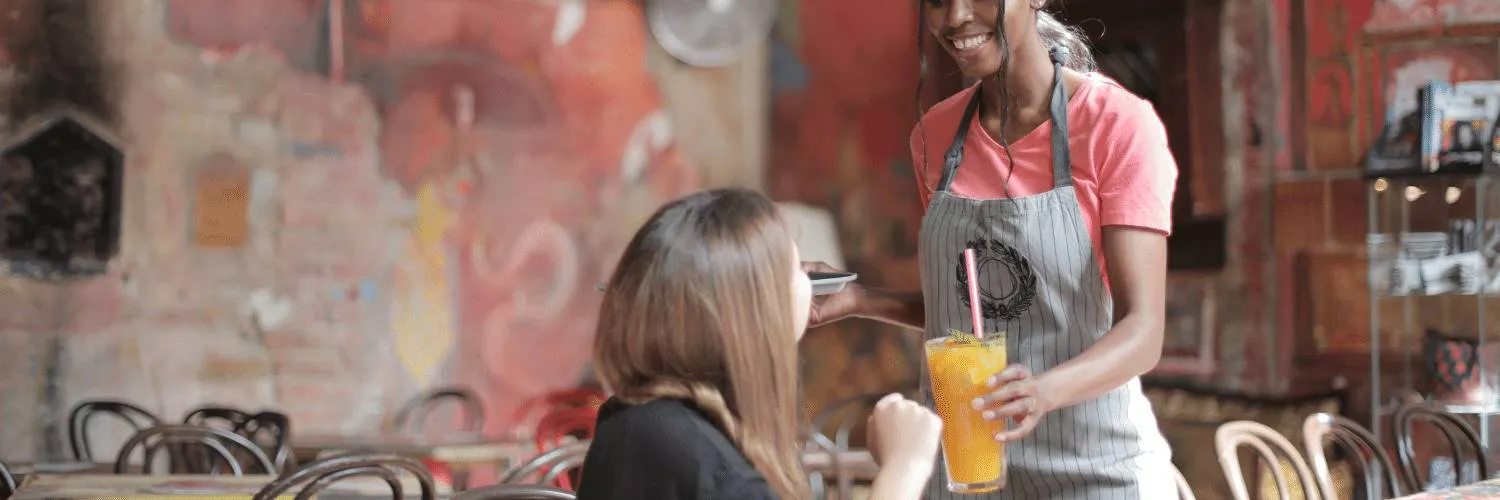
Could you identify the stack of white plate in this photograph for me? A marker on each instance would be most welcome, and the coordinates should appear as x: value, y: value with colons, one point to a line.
x: 1424, y: 245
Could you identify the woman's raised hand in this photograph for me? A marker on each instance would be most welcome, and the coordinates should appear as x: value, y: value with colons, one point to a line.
x: 902, y: 434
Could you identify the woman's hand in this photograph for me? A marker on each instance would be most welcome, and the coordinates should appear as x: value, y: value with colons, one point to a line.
x: 833, y: 307
x: 903, y: 434
x: 1014, y: 396
x: 903, y: 438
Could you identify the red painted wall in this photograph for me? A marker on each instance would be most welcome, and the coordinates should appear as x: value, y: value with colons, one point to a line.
x: 1358, y: 59
x: 839, y: 141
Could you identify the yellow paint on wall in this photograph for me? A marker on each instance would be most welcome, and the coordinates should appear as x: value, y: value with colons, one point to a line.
x: 422, y: 315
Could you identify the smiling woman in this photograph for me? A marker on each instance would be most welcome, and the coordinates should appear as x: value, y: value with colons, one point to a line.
x: 1065, y: 177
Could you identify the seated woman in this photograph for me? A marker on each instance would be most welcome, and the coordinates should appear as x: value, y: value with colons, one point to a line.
x: 697, y: 341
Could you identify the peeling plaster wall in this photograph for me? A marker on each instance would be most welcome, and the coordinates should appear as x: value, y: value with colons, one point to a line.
x: 432, y: 204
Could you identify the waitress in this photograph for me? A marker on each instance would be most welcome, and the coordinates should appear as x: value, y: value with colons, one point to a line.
x: 1062, y: 182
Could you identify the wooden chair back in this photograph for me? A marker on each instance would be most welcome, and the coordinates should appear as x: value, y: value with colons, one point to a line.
x: 1267, y: 444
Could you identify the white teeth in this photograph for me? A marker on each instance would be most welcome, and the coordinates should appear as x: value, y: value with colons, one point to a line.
x: 970, y: 42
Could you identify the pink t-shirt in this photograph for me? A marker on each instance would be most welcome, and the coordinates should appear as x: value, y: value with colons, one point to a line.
x: 1123, y: 172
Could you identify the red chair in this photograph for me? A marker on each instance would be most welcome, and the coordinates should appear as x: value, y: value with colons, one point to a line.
x: 556, y: 428
x: 441, y: 472
x: 532, y: 410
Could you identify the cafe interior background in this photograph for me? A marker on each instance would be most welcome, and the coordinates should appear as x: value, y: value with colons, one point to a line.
x: 329, y: 206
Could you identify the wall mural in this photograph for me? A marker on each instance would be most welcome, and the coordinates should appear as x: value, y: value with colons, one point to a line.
x: 525, y: 175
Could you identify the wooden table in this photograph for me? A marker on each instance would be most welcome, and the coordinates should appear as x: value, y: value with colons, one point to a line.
x: 1481, y: 490
x: 120, y: 487
x: 61, y: 467
x: 457, y: 451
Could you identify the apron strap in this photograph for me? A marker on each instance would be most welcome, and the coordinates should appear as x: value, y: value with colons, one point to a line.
x: 955, y: 154
x: 1062, y: 161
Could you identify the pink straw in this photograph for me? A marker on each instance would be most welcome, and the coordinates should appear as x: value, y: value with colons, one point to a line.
x: 971, y: 274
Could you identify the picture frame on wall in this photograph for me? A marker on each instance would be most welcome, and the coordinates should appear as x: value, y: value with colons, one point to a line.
x: 1191, y: 327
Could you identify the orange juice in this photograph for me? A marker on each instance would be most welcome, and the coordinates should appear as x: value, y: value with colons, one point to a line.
x: 959, y: 368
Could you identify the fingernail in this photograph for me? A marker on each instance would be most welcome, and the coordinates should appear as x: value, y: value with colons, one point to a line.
x: 989, y: 415
x: 1000, y: 437
x: 978, y: 403
x: 992, y: 381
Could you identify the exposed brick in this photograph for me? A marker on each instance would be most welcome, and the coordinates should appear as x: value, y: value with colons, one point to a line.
x: 1301, y: 213
x: 304, y: 391
x: 1348, y: 208
x: 312, y: 361
x: 1331, y: 149
x: 311, y: 335
x: 1456, y: 314
x: 221, y: 368
x: 1340, y: 300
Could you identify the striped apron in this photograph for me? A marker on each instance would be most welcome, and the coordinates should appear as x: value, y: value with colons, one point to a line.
x: 1041, y: 283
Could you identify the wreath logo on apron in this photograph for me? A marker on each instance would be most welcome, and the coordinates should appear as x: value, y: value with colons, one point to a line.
x: 1022, y: 280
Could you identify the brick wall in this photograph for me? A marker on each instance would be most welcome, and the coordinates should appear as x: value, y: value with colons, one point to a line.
x: 1352, y: 58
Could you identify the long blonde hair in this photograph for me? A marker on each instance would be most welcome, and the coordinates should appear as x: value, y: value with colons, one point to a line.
x: 700, y: 309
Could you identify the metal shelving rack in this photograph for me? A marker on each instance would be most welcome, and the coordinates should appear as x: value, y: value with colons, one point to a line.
x: 1433, y: 202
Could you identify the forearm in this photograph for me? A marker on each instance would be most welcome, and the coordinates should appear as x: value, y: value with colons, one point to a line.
x: 903, y: 309
x: 900, y: 483
x: 1128, y: 350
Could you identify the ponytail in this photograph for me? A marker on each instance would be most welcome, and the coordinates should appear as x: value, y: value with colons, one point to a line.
x: 1065, y: 43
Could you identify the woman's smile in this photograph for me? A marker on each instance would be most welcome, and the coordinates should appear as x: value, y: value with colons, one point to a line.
x: 969, y: 42
x: 974, y: 51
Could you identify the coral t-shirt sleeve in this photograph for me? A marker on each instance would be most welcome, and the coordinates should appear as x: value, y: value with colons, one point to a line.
x: 919, y: 163
x: 1137, y: 174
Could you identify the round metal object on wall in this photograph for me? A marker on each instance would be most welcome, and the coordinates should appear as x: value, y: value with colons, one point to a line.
x: 709, y: 33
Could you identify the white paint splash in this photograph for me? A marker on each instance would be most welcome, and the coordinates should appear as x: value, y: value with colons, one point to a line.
x: 570, y: 17
x: 651, y: 135
x: 266, y: 309
x: 542, y: 238
x: 1406, y: 80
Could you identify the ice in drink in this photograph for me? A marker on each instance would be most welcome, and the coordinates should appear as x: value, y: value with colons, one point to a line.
x: 959, y: 366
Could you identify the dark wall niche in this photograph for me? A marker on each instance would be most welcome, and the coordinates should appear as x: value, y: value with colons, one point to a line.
x: 60, y: 163
x: 60, y: 198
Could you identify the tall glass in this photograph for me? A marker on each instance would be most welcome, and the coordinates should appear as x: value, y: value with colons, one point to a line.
x: 959, y: 368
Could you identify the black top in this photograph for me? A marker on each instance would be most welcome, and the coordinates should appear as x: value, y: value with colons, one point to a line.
x: 662, y: 450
